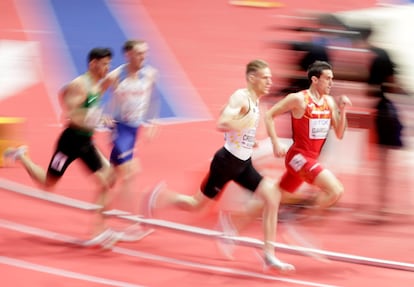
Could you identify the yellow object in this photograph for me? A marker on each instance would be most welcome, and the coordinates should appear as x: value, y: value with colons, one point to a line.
x: 258, y: 4
x: 11, y: 134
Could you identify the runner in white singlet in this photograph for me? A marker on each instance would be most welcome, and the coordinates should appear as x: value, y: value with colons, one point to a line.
x: 239, y: 121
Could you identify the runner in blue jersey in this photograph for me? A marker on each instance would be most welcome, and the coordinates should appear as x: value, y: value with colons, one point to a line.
x: 131, y: 86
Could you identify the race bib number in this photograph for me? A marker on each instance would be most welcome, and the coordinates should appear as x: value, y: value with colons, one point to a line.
x: 297, y: 162
x: 249, y: 138
x: 319, y: 128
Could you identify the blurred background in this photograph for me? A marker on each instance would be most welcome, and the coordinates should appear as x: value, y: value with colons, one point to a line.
x: 200, y: 49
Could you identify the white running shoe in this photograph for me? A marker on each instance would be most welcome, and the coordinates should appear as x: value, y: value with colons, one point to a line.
x: 152, y: 200
x: 111, y: 240
x: 271, y: 262
x: 224, y: 243
x: 11, y: 154
x: 99, y: 239
x: 134, y: 233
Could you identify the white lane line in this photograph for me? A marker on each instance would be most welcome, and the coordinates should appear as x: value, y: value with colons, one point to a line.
x: 213, y: 268
x: 129, y: 252
x: 247, y: 241
x: 63, y: 273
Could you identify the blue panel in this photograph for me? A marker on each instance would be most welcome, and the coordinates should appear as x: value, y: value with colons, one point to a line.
x: 89, y: 23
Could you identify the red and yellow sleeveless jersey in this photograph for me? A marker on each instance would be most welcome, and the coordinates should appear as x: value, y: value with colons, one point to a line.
x: 311, y: 130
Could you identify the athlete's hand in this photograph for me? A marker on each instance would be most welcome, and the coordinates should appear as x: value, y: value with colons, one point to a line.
x: 344, y: 101
x: 107, y: 121
x: 279, y: 149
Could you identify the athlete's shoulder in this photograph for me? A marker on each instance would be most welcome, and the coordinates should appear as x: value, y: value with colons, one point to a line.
x: 76, y: 85
x: 240, y: 97
x: 240, y: 93
x: 297, y: 96
x: 149, y: 72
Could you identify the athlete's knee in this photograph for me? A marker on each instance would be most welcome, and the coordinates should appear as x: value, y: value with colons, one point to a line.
x: 270, y: 192
x: 339, y: 191
x: 333, y: 195
x: 106, y: 177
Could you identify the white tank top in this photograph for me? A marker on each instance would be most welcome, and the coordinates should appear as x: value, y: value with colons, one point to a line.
x: 132, y: 96
x: 240, y: 143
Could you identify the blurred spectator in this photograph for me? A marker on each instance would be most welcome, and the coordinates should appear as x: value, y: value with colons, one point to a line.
x: 307, y: 47
x: 321, y: 30
x: 388, y: 127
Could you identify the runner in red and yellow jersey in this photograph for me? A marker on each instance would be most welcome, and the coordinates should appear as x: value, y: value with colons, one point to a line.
x: 314, y: 112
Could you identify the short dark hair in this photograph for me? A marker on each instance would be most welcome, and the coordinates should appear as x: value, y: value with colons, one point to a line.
x: 130, y: 44
x: 316, y: 69
x: 99, y: 53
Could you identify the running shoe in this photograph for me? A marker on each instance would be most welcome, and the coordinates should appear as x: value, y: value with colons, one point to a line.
x: 134, y: 233
x: 271, y: 262
x: 111, y: 240
x: 99, y: 239
x: 11, y: 154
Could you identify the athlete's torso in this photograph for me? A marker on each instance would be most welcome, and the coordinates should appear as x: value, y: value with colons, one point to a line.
x: 240, y: 143
x: 86, y: 125
x: 311, y: 130
x: 92, y: 99
x: 132, y: 96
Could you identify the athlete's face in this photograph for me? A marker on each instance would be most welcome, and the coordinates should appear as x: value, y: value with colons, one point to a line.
x: 324, y: 82
x: 261, y: 81
x: 137, y: 55
x: 100, y: 67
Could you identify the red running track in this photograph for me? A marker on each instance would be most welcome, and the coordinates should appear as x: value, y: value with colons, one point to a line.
x: 34, y: 252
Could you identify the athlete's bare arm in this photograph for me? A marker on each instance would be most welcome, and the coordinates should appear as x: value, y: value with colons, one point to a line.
x: 339, y: 121
x: 293, y: 103
x: 73, y: 96
x: 234, y: 114
x: 110, y: 81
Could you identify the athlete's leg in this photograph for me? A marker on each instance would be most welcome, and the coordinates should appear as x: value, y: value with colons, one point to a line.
x: 271, y: 195
x: 103, y: 199
x: 219, y: 174
x: 271, y: 199
x: 266, y: 203
x: 126, y: 167
x: 36, y: 172
x: 105, y: 179
x: 125, y: 174
x: 251, y: 211
x: 331, y: 189
x: 196, y: 201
